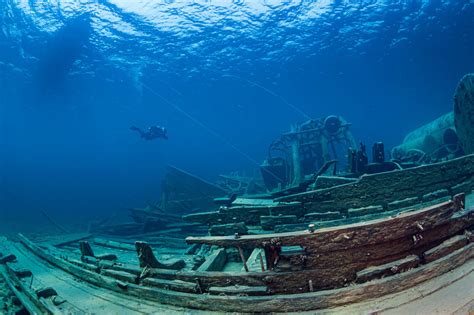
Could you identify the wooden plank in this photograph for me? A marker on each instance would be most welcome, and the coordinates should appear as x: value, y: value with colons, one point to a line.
x: 322, y: 216
x: 239, y: 290
x: 446, y: 247
x: 215, y: 261
x: 256, y: 261
x: 228, y: 229
x: 67, y: 239
x: 119, y: 275
x: 269, y: 222
x: 356, y: 212
x: 394, y: 267
x: 175, y: 285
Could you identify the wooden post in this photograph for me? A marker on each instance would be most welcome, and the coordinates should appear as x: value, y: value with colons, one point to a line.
x: 295, y: 150
x: 241, y: 252
x: 261, y: 262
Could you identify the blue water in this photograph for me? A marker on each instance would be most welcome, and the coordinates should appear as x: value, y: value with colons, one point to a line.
x: 222, y: 76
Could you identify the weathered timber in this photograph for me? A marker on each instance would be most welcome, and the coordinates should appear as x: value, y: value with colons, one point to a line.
x: 7, y: 258
x: 175, y: 285
x: 355, y: 212
x: 322, y: 216
x: 269, y: 222
x: 26, y: 297
x: 120, y: 275
x: 256, y: 261
x: 435, y: 195
x: 361, y: 257
x: 391, y: 190
x: 382, y: 188
x: 273, y: 303
x: 331, y: 181
x: 146, y: 258
x: 391, y: 268
x: 445, y: 248
x: 249, y: 214
x: 239, y: 290
x: 114, y: 244
x: 191, y: 250
x: 62, y: 240
x: 215, y: 261
x: 228, y: 229
x: 403, y: 203
x: 86, y: 250
x: 209, y: 217
x: 464, y: 186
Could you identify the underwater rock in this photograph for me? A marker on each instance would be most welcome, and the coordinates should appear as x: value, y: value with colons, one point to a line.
x: 464, y: 112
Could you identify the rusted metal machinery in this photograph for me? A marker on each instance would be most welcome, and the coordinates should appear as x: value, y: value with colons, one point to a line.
x: 305, y: 149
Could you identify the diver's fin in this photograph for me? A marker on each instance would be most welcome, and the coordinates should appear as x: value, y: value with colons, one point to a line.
x: 133, y: 128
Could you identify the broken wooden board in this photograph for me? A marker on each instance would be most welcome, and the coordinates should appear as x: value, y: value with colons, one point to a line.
x: 215, y: 261
x: 377, y: 272
x: 446, y: 247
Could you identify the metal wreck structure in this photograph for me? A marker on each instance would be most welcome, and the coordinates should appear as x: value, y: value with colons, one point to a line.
x: 367, y: 236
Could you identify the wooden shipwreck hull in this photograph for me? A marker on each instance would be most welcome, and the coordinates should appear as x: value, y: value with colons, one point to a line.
x: 370, y: 194
x: 295, y: 271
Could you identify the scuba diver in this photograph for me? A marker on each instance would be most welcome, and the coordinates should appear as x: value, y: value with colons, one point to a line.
x: 152, y: 133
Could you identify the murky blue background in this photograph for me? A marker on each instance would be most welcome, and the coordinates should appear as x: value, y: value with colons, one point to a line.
x: 74, y: 75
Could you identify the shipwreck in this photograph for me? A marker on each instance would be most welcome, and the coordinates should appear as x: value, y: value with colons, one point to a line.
x: 323, y: 227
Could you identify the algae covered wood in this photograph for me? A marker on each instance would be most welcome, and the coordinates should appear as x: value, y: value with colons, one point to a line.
x: 348, y: 236
x: 382, y: 188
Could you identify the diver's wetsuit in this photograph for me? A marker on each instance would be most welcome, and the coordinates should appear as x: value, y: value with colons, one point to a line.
x: 153, y: 132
